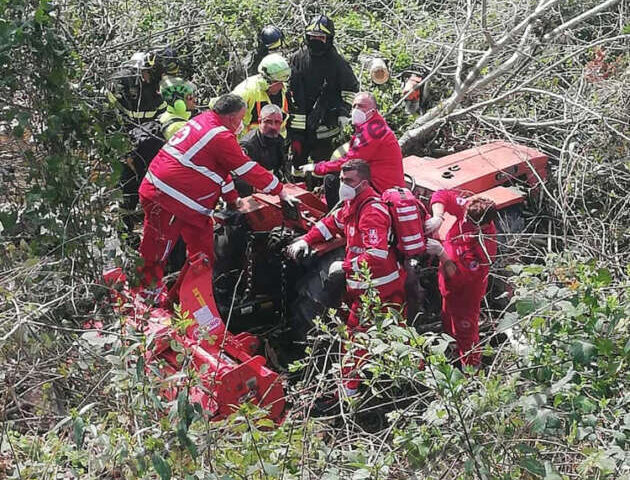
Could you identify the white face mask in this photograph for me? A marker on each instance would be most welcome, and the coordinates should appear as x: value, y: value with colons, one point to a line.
x: 346, y: 192
x: 240, y: 128
x: 359, y: 117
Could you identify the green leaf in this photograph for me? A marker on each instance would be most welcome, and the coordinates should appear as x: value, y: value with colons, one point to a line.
x: 184, y: 439
x: 140, y: 367
x: 550, y: 472
x: 584, y: 405
x: 162, y: 468
x: 361, y: 474
x: 526, y: 306
x: 265, y: 423
x: 603, y: 276
x: 78, y: 431
x: 508, y: 321
x: 182, y: 403
x: 532, y: 465
x: 583, y: 352
x: 526, y: 449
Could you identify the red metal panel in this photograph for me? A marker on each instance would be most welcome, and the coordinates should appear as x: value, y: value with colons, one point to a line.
x: 478, y: 169
x: 503, y: 197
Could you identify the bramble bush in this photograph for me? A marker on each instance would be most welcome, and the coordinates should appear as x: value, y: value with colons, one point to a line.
x: 551, y: 402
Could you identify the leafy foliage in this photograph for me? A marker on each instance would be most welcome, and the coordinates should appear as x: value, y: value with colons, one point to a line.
x: 551, y: 403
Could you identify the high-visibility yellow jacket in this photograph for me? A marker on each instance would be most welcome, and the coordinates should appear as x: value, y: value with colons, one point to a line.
x: 254, y: 91
x: 172, y: 121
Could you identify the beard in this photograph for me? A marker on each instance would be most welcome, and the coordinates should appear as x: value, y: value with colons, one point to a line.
x: 271, y: 139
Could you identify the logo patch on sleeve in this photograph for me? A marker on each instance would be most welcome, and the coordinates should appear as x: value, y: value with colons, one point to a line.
x: 371, y: 236
x: 473, y: 265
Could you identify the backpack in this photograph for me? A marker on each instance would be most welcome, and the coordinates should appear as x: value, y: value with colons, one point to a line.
x: 407, y: 215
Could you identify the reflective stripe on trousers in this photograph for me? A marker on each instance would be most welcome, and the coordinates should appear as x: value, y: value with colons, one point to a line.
x: 375, y: 282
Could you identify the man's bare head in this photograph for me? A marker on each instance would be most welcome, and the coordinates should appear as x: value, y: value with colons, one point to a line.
x: 271, y: 120
x: 365, y: 101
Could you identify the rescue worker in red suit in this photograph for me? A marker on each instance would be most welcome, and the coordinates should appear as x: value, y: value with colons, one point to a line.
x: 465, y: 258
x: 373, y: 141
x: 186, y: 179
x: 365, y: 222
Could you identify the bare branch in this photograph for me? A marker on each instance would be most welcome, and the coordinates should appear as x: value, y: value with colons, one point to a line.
x: 580, y: 18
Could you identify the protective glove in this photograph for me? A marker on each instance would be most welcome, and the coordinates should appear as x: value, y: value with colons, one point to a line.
x: 290, y: 199
x: 308, y: 168
x: 432, y: 224
x: 434, y: 247
x: 335, y: 268
x: 297, y: 249
x: 297, y: 172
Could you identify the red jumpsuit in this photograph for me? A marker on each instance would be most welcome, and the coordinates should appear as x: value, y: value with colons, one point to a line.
x: 366, y: 224
x: 375, y: 143
x: 182, y: 187
x: 472, y: 249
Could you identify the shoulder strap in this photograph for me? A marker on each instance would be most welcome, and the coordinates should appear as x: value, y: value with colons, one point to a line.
x: 364, y: 203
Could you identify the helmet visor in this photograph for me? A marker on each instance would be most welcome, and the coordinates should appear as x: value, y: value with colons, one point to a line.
x: 275, y: 45
x: 317, y: 36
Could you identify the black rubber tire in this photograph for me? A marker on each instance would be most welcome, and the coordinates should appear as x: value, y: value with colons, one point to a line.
x: 510, y: 221
x: 314, y: 295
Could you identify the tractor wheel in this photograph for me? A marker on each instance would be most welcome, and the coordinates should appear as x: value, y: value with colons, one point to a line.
x: 314, y: 294
x: 371, y: 418
x: 510, y: 222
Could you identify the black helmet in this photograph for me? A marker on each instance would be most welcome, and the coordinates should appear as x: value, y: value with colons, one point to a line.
x: 271, y: 37
x: 321, y: 24
x: 164, y: 61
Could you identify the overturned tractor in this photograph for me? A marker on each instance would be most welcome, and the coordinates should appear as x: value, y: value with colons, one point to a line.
x: 261, y: 294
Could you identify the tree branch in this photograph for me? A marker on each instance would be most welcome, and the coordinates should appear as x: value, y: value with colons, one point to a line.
x: 427, y: 123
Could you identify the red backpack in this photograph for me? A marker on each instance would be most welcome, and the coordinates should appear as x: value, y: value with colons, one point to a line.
x: 408, y: 216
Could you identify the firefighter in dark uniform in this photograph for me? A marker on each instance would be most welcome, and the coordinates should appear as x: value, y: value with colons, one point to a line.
x: 134, y: 94
x: 270, y: 40
x: 323, y: 87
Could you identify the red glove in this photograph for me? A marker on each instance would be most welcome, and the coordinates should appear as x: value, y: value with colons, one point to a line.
x: 296, y: 147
